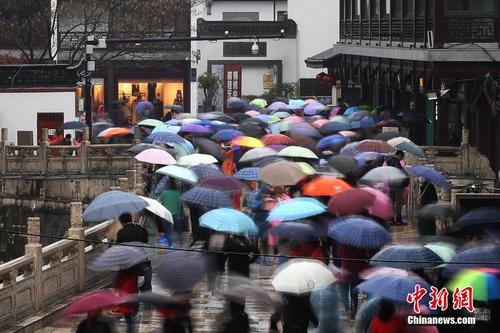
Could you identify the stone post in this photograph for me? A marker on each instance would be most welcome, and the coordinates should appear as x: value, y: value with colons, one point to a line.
x: 3, y: 150
x: 77, y: 231
x: 132, y: 178
x: 34, y: 248
x: 83, y: 150
x: 139, y: 184
x: 44, y: 151
x: 465, y: 136
x: 137, y: 135
x: 124, y: 185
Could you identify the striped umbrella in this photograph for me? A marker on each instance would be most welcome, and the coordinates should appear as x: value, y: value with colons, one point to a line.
x: 359, y: 231
x: 206, y: 197
x: 248, y: 174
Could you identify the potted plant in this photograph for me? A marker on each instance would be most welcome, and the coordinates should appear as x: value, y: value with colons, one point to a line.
x: 210, y: 83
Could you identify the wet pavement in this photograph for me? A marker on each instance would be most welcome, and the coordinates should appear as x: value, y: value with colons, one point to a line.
x: 208, y: 308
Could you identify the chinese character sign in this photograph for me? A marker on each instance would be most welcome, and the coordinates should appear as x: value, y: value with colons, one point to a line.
x: 462, y: 298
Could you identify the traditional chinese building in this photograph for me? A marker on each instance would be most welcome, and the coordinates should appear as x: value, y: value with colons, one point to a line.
x: 435, y: 60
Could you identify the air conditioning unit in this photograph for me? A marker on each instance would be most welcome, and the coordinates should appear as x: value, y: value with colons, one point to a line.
x: 430, y: 39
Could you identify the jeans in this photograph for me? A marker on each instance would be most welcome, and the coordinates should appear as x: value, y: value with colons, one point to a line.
x: 350, y: 295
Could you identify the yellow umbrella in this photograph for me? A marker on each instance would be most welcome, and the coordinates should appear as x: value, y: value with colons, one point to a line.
x: 248, y: 141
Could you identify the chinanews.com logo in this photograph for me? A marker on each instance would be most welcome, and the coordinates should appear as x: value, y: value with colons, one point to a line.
x: 462, y: 299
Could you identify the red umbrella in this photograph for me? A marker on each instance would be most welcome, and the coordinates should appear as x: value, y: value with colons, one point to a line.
x: 351, y: 201
x: 382, y: 206
x: 223, y: 183
x: 378, y: 146
x: 96, y: 301
x: 277, y: 139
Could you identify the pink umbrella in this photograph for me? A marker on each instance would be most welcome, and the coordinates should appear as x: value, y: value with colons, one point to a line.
x: 335, y: 111
x: 155, y: 156
x: 382, y: 206
x: 253, y: 113
x: 294, y: 119
x: 349, y: 134
x: 310, y: 101
x: 320, y: 122
x: 381, y: 271
x: 96, y: 301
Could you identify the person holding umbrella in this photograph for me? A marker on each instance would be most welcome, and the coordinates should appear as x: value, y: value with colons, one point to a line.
x: 396, y: 190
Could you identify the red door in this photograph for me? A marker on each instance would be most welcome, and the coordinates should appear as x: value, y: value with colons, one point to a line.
x: 52, y: 121
x: 232, y: 82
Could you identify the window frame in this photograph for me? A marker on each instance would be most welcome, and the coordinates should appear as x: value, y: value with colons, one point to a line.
x: 493, y: 13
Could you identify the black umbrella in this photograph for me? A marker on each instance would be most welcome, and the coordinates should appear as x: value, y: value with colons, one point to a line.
x: 239, y: 288
x: 386, y: 136
x: 406, y: 257
x: 73, y: 125
x: 485, y: 256
x: 253, y: 129
x: 332, y: 128
x: 181, y: 271
x: 204, y: 171
x: 479, y: 218
x: 163, y: 301
x: 143, y: 146
x: 434, y: 210
x: 296, y: 231
x: 343, y: 163
x: 207, y: 146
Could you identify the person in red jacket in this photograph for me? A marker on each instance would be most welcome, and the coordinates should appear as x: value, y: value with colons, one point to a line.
x: 127, y: 282
x: 387, y: 320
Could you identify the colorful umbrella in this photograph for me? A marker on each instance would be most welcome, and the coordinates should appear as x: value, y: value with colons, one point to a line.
x: 282, y: 173
x: 155, y: 156
x: 359, y: 232
x: 375, y: 145
x: 295, y: 209
x: 302, y: 277
x: 196, y: 159
x: 248, y: 174
x: 297, y: 152
x: 227, y: 135
x: 113, y: 131
x: 324, y: 186
x: 223, y: 184
x: 351, y: 201
x: 430, y: 175
x: 485, y: 283
x: 229, y: 221
x: 256, y: 154
x: 110, y: 205
x: 206, y: 197
x: 276, y: 139
x: 406, y: 257
x: 478, y: 219
x: 247, y: 141
x: 179, y: 172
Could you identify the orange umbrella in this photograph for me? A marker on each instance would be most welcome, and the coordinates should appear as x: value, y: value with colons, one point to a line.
x: 325, y: 186
x: 114, y: 131
x: 248, y: 141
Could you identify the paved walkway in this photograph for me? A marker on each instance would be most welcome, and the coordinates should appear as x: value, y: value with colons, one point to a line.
x: 208, y: 308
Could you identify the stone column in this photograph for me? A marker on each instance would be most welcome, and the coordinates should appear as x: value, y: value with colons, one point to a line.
x: 3, y: 150
x: 83, y: 150
x: 34, y: 249
x: 137, y: 135
x: 77, y: 231
x: 44, y: 151
x: 132, y: 178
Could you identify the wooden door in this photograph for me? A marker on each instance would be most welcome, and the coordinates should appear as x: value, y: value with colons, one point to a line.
x: 232, y: 82
x: 52, y: 121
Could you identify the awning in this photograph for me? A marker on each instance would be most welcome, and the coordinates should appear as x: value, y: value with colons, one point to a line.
x: 320, y: 60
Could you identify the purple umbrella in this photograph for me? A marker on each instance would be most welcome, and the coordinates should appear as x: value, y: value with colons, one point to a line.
x: 304, y: 129
x: 144, y: 109
x: 194, y: 128
x: 278, y: 105
x: 314, y: 108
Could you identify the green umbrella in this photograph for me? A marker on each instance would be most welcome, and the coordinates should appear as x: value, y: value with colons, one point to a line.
x: 445, y: 250
x: 297, y: 152
x: 150, y: 123
x: 179, y: 172
x: 261, y: 103
x: 307, y: 168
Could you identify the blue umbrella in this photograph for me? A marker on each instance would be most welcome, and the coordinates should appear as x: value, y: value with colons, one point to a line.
x: 351, y: 110
x: 350, y: 149
x: 430, y: 175
x: 333, y: 127
x: 479, y: 218
x: 110, y: 205
x: 395, y: 288
x: 296, y: 231
x: 204, y: 171
x: 181, y: 271
x: 248, y: 174
x: 406, y: 257
x: 296, y: 209
x: 206, y: 197
x: 485, y: 256
x: 359, y: 115
x: 411, y: 148
x: 227, y: 135
x: 335, y: 140
x: 144, y: 109
x: 359, y: 231
x: 178, y: 172
x: 73, y: 125
x: 164, y: 137
x: 363, y: 123
x: 364, y: 157
x: 230, y: 221
x: 314, y: 108
x: 238, y: 104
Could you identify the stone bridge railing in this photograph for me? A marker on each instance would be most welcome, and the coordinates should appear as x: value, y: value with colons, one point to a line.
x: 45, y: 276
x: 46, y: 159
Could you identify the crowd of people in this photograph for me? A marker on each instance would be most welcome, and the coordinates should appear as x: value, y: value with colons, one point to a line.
x: 366, y: 184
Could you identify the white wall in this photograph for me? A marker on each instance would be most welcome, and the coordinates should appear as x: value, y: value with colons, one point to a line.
x: 317, y: 29
x: 265, y: 8
x: 253, y: 79
x: 18, y: 111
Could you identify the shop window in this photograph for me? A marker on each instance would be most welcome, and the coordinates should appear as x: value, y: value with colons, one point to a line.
x: 475, y: 6
x: 240, y: 16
